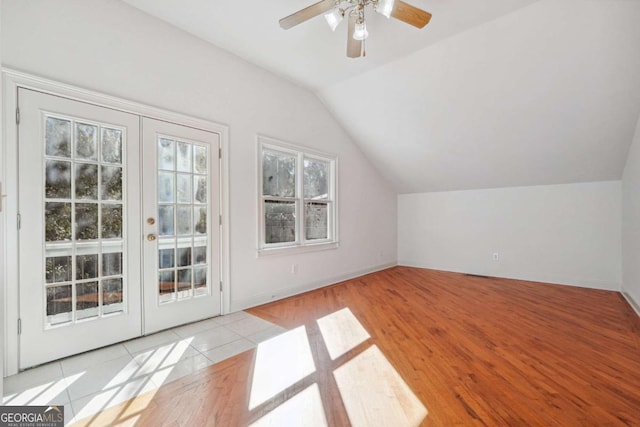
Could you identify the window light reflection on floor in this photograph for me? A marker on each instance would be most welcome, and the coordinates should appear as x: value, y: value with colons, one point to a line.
x: 41, y: 394
x: 303, y: 410
x: 341, y: 332
x: 280, y: 362
x: 144, y: 373
x: 374, y: 394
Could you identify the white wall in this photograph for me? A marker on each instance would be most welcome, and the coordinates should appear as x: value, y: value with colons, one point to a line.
x: 113, y: 48
x: 568, y: 234
x: 631, y: 222
x: 1, y: 230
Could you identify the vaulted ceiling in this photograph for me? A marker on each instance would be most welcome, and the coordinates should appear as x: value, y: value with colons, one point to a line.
x: 492, y: 93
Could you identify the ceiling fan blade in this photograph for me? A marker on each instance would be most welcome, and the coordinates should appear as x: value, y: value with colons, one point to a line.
x: 354, y: 47
x: 307, y: 13
x: 410, y: 14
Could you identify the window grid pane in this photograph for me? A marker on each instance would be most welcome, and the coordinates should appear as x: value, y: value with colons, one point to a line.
x: 280, y: 221
x: 297, y: 191
x: 316, y: 220
x: 183, y: 209
x: 278, y: 174
x: 83, y: 165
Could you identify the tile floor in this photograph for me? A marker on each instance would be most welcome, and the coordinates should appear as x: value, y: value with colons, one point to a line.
x: 90, y: 382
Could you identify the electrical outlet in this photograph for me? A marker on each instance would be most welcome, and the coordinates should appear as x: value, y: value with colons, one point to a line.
x: 294, y: 268
x: 496, y: 256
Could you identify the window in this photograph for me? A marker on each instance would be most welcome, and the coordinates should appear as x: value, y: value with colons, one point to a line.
x: 297, y: 198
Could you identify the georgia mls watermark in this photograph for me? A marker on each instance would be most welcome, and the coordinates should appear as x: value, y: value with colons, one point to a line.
x: 32, y: 416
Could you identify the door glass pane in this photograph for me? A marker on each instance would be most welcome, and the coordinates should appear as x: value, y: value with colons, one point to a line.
x: 112, y: 296
x: 184, y: 281
x: 184, y: 257
x: 200, y: 255
x: 59, y: 304
x: 86, y: 221
x: 75, y: 220
x: 112, y: 264
x: 87, y: 303
x: 200, y: 155
x: 111, y: 188
x: 184, y: 157
x: 200, y: 188
x: 111, y: 221
x: 184, y: 188
x: 58, y: 269
x: 166, y: 285
x: 165, y: 187
x: 111, y: 145
x: 182, y: 219
x: 58, y: 137
x: 200, y: 281
x: 86, y: 267
x: 86, y: 181
x: 86, y: 141
x: 201, y: 220
x: 57, y: 221
x: 280, y: 221
x: 58, y: 180
x: 165, y: 154
x: 165, y: 220
x: 166, y: 258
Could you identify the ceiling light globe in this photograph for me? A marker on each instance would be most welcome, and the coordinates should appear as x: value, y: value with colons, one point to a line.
x: 360, y: 32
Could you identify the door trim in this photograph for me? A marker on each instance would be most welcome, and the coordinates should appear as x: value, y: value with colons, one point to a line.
x: 12, y: 80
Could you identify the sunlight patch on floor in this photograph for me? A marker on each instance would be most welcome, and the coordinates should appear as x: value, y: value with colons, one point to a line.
x: 280, y: 362
x: 303, y: 410
x: 374, y: 394
x: 141, y: 375
x: 341, y: 332
x: 41, y: 393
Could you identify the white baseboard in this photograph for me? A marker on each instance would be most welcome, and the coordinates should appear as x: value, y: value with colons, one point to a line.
x: 528, y: 276
x: 632, y: 302
x: 282, y: 293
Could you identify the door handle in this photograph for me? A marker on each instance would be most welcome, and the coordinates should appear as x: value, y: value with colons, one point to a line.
x: 151, y: 237
x: 151, y: 221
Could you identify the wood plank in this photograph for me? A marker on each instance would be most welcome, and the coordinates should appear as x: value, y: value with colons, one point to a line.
x: 474, y: 351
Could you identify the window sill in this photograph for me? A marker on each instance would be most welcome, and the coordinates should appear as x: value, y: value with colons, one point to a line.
x: 291, y: 250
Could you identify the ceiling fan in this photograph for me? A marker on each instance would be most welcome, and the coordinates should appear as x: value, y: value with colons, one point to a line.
x: 335, y: 10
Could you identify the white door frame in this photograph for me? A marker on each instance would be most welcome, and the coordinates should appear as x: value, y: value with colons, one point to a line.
x: 12, y: 80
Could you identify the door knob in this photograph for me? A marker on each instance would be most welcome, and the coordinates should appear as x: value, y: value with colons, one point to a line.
x: 151, y: 237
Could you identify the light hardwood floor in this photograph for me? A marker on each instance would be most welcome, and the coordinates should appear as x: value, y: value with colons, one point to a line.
x: 472, y: 351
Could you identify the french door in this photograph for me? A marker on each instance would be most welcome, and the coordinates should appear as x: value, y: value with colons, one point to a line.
x: 181, y: 224
x: 91, y: 271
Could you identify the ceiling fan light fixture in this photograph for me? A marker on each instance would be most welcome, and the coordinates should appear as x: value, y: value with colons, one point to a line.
x: 360, y: 32
x: 334, y: 18
x: 385, y: 7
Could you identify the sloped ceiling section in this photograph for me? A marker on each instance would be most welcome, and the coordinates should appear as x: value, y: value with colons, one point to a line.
x: 492, y: 93
x: 310, y: 53
x: 548, y: 94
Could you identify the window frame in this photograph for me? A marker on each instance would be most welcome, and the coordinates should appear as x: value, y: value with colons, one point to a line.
x: 301, y: 244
